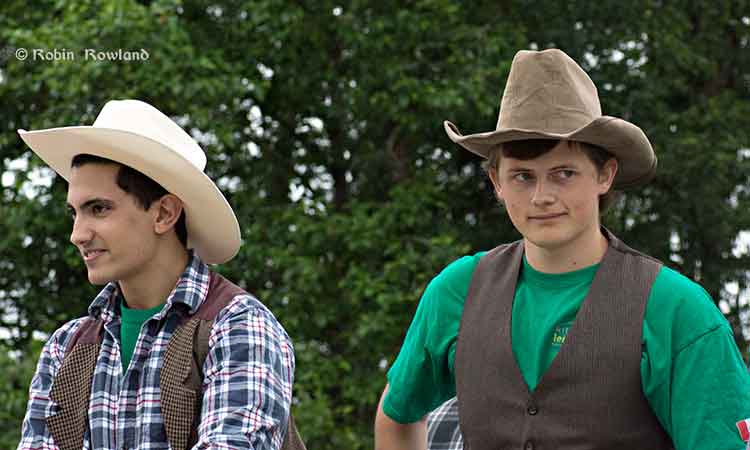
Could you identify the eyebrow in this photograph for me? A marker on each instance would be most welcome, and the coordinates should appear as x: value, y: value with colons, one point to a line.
x: 519, y: 169
x: 559, y: 167
x: 89, y: 203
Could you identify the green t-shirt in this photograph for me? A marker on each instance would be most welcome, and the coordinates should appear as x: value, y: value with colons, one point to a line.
x: 130, y: 329
x: 692, y: 373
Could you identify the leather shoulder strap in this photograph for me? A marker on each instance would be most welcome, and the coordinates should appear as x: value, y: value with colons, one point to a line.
x: 220, y: 292
x: 292, y: 441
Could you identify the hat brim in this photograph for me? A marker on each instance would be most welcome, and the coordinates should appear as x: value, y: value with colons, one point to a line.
x: 212, y: 227
x: 627, y: 142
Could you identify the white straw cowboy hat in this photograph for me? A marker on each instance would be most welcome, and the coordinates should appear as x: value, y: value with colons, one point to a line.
x: 138, y: 135
x: 548, y: 96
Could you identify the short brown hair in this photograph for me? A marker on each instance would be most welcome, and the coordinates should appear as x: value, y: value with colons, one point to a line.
x: 534, y: 148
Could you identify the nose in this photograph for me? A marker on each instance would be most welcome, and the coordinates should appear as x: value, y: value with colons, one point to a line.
x: 81, y: 233
x: 544, y: 193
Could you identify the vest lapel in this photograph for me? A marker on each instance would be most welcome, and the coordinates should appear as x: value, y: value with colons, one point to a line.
x: 476, y: 348
x: 71, y: 388
x: 178, y: 402
x: 181, y: 376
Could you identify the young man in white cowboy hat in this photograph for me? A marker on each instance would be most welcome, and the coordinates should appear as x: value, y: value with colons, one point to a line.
x: 567, y: 339
x: 147, y: 221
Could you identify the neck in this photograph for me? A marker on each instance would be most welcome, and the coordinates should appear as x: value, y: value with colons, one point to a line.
x: 152, y: 286
x: 585, y: 250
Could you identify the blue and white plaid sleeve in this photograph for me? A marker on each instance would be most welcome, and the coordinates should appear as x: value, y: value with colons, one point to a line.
x: 248, y: 380
x: 443, y: 431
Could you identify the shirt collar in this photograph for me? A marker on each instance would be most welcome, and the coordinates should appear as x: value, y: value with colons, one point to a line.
x: 191, y: 290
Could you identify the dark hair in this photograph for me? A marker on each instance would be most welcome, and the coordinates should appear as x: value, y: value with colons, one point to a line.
x: 534, y: 148
x: 144, y: 189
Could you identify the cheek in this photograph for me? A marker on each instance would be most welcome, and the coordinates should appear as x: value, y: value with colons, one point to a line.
x: 135, y: 234
x: 140, y: 221
x: 515, y: 208
x: 583, y: 201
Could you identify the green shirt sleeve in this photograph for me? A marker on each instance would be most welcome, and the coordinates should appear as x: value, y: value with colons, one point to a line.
x: 422, y: 376
x: 693, y: 374
x: 710, y: 393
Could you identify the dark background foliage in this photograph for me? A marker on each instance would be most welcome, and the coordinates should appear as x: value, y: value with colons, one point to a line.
x: 322, y: 121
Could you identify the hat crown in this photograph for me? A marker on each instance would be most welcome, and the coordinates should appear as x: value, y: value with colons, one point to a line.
x: 547, y: 90
x: 548, y: 96
x: 135, y: 116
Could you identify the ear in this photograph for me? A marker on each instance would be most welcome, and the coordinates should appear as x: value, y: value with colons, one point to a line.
x: 496, y: 186
x: 607, y: 175
x: 168, y: 210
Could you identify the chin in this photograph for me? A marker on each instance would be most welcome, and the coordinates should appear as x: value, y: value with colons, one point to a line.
x: 98, y: 279
x: 549, y: 239
x: 547, y: 244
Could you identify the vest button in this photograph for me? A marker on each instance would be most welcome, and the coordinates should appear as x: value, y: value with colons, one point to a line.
x: 532, y: 410
x: 529, y: 445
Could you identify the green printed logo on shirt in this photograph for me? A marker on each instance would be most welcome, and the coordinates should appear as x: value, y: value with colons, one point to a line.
x: 561, y: 331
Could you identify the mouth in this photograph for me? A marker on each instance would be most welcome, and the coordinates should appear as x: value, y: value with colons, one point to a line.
x: 90, y: 255
x: 546, y: 216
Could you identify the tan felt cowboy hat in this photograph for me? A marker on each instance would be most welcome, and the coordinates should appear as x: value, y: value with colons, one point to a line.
x: 138, y: 135
x: 548, y: 96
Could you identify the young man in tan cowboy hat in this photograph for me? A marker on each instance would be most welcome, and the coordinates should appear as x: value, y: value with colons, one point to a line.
x: 567, y: 339
x: 147, y: 221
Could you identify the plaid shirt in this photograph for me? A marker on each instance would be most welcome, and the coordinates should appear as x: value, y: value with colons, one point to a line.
x: 443, y: 432
x: 247, y: 386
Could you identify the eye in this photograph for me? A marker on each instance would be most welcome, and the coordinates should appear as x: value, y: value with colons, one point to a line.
x: 522, y: 177
x: 564, y: 174
x: 98, y: 210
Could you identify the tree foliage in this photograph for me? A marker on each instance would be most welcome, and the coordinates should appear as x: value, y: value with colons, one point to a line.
x: 322, y: 122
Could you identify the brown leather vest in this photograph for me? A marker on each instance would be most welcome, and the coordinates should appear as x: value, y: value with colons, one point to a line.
x: 180, y: 379
x: 590, y: 398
